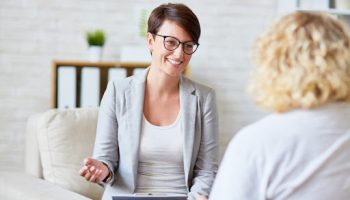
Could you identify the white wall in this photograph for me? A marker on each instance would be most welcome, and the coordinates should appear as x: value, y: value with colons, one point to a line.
x: 34, y: 32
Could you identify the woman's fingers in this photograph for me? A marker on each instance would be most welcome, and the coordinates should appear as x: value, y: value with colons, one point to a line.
x: 83, y: 171
x: 92, y: 170
x: 95, y: 178
x: 91, y: 161
x: 93, y: 174
x: 88, y: 176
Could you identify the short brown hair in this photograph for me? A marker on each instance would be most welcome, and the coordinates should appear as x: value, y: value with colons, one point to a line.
x: 302, y: 61
x: 178, y: 13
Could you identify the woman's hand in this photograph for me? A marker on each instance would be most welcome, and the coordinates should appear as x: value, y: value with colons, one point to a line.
x: 200, y: 197
x: 93, y: 170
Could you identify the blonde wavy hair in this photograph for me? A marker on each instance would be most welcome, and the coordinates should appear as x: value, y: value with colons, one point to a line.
x: 302, y: 61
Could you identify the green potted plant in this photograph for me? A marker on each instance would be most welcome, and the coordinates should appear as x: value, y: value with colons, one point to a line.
x: 96, y: 40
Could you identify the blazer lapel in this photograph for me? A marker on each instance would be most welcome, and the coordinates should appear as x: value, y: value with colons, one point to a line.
x: 188, y: 105
x: 135, y: 100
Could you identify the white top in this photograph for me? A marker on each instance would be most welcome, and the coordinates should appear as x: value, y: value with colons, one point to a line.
x: 161, y: 168
x: 297, y: 155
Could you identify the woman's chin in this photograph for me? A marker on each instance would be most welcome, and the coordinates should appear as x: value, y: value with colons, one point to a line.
x: 173, y: 73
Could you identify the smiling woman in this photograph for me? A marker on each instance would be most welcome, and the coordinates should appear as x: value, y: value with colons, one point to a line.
x: 158, y: 131
x: 168, y: 57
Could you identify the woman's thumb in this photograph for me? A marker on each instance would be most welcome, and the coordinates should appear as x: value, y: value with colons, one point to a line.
x: 88, y: 161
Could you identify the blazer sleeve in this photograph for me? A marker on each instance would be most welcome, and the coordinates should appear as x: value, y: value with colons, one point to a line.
x: 206, y: 164
x: 106, y: 142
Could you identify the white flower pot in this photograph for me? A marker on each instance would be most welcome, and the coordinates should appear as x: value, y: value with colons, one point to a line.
x: 342, y: 4
x: 95, y: 53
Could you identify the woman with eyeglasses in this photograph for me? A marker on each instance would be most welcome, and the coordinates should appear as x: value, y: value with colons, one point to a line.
x: 157, y: 131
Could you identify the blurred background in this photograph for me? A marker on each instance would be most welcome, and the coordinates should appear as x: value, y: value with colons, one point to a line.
x: 34, y: 33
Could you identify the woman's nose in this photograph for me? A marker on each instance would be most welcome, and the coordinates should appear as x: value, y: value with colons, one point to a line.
x: 179, y: 51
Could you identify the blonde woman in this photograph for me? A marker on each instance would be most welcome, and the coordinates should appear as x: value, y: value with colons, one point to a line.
x: 302, y: 150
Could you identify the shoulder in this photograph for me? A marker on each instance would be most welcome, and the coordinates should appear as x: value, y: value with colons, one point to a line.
x: 122, y: 85
x: 274, y: 133
x: 260, y: 133
x: 199, y: 89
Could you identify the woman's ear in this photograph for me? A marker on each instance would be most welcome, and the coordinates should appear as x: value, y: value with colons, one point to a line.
x: 150, y: 41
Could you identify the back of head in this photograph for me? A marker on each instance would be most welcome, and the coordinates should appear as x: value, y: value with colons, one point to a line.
x: 178, y: 13
x: 302, y: 61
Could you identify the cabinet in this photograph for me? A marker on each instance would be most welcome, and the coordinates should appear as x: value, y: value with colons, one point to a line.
x: 68, y: 81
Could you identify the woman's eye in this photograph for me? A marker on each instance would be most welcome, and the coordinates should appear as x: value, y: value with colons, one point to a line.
x: 189, y: 46
x: 171, y: 42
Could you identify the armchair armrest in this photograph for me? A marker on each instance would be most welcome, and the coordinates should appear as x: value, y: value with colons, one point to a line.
x: 20, y: 185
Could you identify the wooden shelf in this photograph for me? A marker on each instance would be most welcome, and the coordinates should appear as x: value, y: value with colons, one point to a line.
x: 108, y: 64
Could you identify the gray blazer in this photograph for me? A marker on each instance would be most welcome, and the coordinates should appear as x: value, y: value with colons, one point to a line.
x: 119, y: 128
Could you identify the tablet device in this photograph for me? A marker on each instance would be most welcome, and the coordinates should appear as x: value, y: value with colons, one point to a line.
x: 149, y: 197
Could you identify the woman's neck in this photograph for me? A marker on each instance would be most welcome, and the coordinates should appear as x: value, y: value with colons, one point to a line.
x: 161, y: 84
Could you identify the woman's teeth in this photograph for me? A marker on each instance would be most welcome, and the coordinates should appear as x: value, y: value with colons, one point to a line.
x: 174, y: 62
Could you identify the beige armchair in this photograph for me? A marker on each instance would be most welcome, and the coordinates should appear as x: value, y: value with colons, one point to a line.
x: 56, y: 143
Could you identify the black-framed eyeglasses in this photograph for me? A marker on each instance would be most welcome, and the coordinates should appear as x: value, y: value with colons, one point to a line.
x: 172, y: 43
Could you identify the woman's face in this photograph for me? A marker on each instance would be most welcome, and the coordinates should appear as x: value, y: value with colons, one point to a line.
x: 173, y: 62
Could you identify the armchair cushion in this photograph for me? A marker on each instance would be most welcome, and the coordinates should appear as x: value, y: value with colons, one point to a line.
x: 65, y: 138
x: 20, y: 185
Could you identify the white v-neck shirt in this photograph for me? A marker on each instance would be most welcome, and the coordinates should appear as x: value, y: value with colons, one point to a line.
x: 161, y: 168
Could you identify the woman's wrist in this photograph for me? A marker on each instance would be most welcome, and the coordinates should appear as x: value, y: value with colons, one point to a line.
x: 109, y: 176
